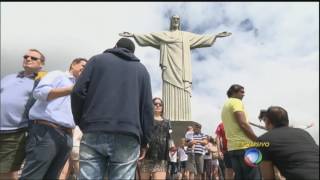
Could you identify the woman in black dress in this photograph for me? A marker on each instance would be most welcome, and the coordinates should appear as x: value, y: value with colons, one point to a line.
x: 154, y: 164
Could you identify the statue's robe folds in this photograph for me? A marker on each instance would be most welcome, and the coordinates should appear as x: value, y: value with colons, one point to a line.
x: 175, y: 62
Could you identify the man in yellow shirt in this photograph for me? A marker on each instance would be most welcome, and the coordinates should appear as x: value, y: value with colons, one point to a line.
x: 239, y: 134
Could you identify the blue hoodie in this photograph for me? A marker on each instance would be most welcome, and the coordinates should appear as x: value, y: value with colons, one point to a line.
x: 113, y: 95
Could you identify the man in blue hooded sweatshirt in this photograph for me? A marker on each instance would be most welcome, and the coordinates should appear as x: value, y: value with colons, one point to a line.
x: 112, y: 105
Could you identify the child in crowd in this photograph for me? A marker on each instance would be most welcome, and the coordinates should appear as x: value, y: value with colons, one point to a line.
x: 173, y: 156
x: 182, y: 159
x: 189, y: 136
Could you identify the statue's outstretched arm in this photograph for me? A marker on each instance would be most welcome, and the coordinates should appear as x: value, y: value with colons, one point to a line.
x: 126, y: 34
x: 223, y: 34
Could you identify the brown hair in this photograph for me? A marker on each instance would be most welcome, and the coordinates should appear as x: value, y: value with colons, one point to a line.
x: 77, y: 61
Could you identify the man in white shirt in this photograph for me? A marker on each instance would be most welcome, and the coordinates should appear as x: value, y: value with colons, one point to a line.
x: 50, y: 139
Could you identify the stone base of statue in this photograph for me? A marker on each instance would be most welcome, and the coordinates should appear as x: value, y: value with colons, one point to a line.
x: 179, y: 130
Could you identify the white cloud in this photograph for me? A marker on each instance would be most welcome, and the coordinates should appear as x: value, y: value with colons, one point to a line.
x: 277, y: 61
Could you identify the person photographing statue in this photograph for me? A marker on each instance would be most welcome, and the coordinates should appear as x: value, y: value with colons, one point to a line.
x: 175, y: 62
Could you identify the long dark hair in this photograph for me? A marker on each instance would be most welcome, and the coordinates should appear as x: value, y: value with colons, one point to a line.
x: 154, y: 100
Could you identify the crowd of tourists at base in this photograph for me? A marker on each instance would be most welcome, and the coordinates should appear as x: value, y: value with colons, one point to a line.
x: 97, y: 120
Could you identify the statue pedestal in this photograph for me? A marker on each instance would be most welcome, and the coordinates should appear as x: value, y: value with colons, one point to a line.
x: 179, y: 130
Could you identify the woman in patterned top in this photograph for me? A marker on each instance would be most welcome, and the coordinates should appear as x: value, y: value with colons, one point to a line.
x: 156, y: 159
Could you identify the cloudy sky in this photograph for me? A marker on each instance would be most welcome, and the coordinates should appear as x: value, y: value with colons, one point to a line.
x: 273, y: 51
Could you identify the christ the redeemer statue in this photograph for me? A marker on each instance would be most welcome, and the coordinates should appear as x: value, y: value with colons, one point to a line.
x: 175, y: 63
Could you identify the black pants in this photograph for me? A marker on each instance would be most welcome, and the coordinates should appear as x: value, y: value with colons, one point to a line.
x: 242, y: 171
x: 222, y: 167
x: 47, y: 151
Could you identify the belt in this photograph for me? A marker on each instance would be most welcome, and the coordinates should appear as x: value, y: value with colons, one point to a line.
x: 53, y: 125
x: 13, y: 130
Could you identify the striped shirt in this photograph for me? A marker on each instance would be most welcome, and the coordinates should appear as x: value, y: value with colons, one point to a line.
x: 198, y: 148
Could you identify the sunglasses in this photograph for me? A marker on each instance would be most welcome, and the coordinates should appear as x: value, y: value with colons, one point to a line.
x: 157, y: 104
x: 31, y: 57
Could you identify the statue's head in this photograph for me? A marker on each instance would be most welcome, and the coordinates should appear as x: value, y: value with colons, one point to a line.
x: 175, y: 22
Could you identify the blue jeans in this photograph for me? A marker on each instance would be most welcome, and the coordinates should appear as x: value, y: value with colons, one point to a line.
x: 47, y: 150
x: 113, y: 155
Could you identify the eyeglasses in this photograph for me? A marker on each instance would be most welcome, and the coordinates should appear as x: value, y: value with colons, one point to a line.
x: 157, y: 104
x: 31, y: 57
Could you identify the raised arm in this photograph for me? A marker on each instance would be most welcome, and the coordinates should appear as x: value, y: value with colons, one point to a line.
x: 303, y: 126
x: 47, y: 90
x: 198, y: 41
x: 258, y: 126
x: 149, y: 39
x: 126, y: 34
x: 223, y: 34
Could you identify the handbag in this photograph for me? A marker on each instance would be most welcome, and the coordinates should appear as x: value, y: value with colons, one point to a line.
x: 171, y: 143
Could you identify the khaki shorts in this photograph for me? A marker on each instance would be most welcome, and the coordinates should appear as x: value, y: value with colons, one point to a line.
x: 148, y: 166
x: 12, y: 151
x: 191, y: 164
x: 199, y: 163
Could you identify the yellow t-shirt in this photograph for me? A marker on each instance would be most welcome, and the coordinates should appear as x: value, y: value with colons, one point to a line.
x: 236, y: 138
